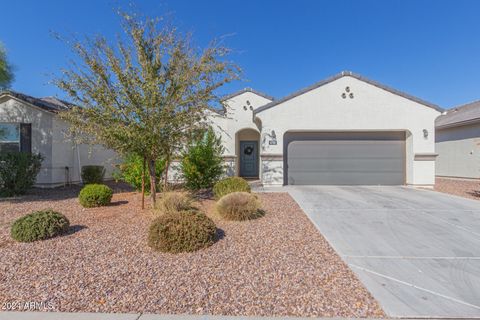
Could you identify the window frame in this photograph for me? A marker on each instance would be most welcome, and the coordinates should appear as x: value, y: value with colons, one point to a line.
x: 19, y: 141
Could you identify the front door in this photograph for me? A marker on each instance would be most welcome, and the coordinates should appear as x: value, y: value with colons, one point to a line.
x: 248, y: 158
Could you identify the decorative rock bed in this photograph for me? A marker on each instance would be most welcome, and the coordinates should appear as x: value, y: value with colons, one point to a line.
x: 278, y: 265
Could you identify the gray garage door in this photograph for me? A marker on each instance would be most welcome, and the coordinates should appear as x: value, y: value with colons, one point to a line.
x: 347, y: 158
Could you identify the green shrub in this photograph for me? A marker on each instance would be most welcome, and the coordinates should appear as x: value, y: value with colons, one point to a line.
x: 95, y: 195
x: 229, y: 185
x: 39, y: 225
x: 175, y: 201
x: 239, y: 206
x: 202, y: 163
x: 92, y: 174
x: 183, y: 231
x: 130, y: 171
x: 18, y: 172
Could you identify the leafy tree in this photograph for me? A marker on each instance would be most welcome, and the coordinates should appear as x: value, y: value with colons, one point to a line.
x: 6, y: 70
x: 131, y: 171
x: 202, y: 163
x: 146, y: 93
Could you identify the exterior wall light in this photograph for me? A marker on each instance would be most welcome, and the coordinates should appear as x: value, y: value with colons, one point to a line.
x: 425, y: 133
x: 273, y: 140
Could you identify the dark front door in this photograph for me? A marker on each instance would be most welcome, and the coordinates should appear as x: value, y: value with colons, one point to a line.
x: 248, y: 158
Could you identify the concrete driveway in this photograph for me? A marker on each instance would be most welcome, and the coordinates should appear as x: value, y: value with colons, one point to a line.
x: 417, y: 251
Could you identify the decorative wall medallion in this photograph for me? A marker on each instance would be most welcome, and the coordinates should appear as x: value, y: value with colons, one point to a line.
x: 350, y: 94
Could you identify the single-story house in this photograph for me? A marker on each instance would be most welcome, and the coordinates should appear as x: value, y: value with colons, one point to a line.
x: 458, y: 142
x: 345, y: 130
x: 31, y: 124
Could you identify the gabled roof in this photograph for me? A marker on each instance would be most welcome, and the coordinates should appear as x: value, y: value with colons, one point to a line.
x: 353, y: 75
x: 261, y: 94
x: 50, y: 104
x: 460, y: 115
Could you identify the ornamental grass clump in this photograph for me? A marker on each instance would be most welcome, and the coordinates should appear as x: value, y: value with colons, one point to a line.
x: 229, y: 185
x: 95, y: 195
x: 175, y: 201
x: 239, y: 206
x: 39, y: 225
x: 183, y: 231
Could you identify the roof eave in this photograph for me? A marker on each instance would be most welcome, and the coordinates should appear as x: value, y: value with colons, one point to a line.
x: 457, y: 124
x: 353, y: 75
x: 245, y: 90
x: 42, y: 108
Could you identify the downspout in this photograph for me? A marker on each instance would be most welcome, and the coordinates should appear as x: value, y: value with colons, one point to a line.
x: 79, y: 164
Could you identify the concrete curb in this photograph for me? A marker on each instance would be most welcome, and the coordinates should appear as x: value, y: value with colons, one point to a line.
x: 16, y: 315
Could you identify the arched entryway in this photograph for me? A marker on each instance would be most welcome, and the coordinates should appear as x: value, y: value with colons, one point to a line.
x: 247, y: 143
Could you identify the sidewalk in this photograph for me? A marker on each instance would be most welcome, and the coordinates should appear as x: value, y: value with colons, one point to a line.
x: 139, y: 316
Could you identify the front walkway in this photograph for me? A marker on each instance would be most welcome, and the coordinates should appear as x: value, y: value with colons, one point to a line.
x: 417, y: 251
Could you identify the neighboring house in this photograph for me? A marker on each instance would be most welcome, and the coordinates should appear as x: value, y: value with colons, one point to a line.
x: 31, y: 124
x: 345, y: 130
x: 458, y: 142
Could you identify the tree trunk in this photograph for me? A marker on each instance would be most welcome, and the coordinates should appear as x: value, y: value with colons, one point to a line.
x: 153, y: 182
x: 143, y: 181
x: 165, y: 182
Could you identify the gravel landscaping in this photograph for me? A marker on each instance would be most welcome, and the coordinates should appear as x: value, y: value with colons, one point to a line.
x: 459, y: 187
x: 277, y: 265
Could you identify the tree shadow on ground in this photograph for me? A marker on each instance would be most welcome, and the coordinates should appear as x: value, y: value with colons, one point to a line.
x: 117, y: 203
x: 63, y: 193
x: 475, y: 194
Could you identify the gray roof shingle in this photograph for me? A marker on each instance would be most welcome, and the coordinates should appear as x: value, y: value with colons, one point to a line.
x: 50, y: 104
x: 460, y: 115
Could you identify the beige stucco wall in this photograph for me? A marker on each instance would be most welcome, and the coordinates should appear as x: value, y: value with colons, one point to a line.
x: 14, y: 111
x: 67, y: 153
x: 371, y: 109
x: 49, y: 139
x: 458, y: 151
x: 235, y: 120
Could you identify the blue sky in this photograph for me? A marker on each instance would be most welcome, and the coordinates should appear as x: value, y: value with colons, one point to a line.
x: 430, y: 49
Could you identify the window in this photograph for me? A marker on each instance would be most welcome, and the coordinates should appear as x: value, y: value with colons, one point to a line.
x: 9, y: 137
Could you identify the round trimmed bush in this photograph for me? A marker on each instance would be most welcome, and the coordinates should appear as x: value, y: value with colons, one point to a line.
x: 175, y: 201
x: 95, y: 195
x: 229, y: 185
x: 183, y: 231
x: 239, y: 206
x: 39, y: 225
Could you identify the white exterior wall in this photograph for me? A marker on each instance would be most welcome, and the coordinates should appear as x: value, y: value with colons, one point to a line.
x: 48, y: 139
x: 458, y: 151
x: 235, y: 119
x: 14, y: 111
x: 67, y: 153
x: 371, y: 109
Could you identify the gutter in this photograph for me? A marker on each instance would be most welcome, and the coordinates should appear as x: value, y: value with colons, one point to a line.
x: 458, y: 124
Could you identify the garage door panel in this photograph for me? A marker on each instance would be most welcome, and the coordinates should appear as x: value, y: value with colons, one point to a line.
x: 346, y: 165
x: 344, y: 178
x: 346, y: 158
